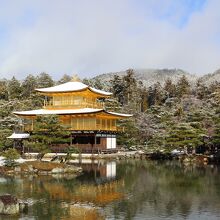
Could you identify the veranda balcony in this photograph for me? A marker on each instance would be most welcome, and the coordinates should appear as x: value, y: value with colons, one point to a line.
x: 30, y: 127
x: 75, y: 105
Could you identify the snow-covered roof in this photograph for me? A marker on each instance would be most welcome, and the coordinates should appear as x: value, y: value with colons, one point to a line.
x: 68, y: 112
x: 100, y: 91
x: 72, y: 87
x: 120, y: 114
x: 58, y: 111
x: 19, y: 136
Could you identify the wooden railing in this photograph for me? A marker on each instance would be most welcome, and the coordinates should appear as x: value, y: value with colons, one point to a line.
x: 29, y: 127
x: 59, y: 105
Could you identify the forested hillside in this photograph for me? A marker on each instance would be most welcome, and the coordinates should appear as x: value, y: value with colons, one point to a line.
x: 151, y: 76
x: 175, y: 114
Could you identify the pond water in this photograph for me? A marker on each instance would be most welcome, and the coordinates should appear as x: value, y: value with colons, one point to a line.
x: 131, y: 189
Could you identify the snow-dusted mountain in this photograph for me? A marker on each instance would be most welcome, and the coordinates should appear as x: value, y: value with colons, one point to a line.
x: 212, y: 77
x: 152, y: 76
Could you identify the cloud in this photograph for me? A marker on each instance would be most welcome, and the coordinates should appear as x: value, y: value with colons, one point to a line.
x: 91, y: 37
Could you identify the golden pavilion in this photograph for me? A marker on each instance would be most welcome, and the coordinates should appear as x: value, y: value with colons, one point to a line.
x: 81, y: 109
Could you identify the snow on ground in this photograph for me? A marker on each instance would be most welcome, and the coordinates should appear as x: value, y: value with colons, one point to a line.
x: 2, y: 161
x: 19, y: 160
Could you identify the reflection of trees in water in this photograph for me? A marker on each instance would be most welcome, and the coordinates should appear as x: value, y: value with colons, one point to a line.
x: 49, y: 194
x: 81, y: 212
x: 145, y: 188
x: 9, y: 184
x: 168, y: 188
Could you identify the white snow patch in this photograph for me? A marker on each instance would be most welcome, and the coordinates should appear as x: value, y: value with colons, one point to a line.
x: 72, y: 87
x: 57, y: 112
x: 2, y: 161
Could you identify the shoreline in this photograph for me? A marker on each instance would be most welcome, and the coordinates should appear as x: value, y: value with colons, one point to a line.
x: 60, y: 156
x: 56, y: 160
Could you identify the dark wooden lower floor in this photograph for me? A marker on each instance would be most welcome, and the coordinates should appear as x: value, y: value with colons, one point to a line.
x: 84, y: 143
x: 95, y: 143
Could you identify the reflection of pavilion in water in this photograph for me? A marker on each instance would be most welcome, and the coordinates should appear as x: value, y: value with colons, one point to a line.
x: 98, y: 172
x: 84, y: 196
x: 97, y: 185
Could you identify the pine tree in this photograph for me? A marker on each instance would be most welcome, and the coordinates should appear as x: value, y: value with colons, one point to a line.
x: 201, y: 90
x: 48, y: 132
x: 146, y: 127
x: 28, y: 86
x: 130, y: 93
x: 158, y: 94
x: 156, y: 144
x: 130, y: 86
x: 4, y: 141
x: 216, y: 95
x: 96, y: 83
x: 213, y: 87
x: 170, y: 88
x: 216, y: 134
x: 117, y: 88
x: 44, y: 80
x: 65, y: 78
x: 151, y: 97
x: 183, y: 86
x: 130, y: 137
x: 14, y: 88
x: 184, y: 136
x: 144, y: 99
x: 3, y: 90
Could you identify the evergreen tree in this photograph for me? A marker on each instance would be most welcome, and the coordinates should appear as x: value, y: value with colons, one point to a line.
x: 144, y: 99
x: 213, y: 87
x: 140, y: 97
x: 156, y: 144
x: 112, y: 104
x: 158, y: 94
x: 14, y: 88
x: 10, y: 155
x: 201, y: 90
x: 130, y: 86
x: 216, y: 134
x: 170, y: 88
x: 132, y: 92
x: 130, y: 137
x: 146, y: 127
x: 97, y: 84
x: 87, y: 81
x: 216, y: 95
x: 44, y: 80
x: 48, y: 132
x: 183, y: 86
x: 3, y: 90
x: 65, y: 78
x: 4, y: 141
x: 151, y: 97
x: 184, y: 136
x: 117, y: 88
x: 28, y: 86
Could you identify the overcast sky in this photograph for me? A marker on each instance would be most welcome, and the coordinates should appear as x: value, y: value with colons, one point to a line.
x: 89, y: 37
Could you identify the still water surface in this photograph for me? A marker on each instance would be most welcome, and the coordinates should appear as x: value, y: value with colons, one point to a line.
x: 124, y: 190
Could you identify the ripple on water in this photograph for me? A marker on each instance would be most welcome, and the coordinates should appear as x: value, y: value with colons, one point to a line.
x: 143, y: 190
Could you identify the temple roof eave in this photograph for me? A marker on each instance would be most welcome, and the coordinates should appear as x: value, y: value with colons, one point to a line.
x: 19, y: 136
x: 71, y: 87
x: 122, y: 115
x: 69, y: 112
